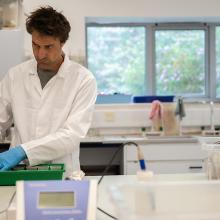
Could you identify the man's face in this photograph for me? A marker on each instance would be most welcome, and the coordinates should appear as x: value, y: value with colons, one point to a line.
x: 47, y: 51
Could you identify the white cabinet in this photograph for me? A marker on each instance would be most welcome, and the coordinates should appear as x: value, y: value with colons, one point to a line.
x: 166, y: 156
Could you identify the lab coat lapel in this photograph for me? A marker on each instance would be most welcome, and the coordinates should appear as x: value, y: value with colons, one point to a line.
x: 34, y: 79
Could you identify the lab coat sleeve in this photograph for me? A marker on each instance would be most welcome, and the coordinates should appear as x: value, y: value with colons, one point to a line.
x: 67, y: 139
x: 5, y: 104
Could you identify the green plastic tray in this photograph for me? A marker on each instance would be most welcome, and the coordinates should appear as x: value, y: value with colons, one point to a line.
x: 39, y: 172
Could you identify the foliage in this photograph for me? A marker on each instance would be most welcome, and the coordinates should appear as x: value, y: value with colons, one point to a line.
x: 180, y: 62
x: 116, y: 56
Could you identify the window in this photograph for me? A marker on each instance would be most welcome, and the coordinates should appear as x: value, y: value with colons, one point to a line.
x: 116, y: 56
x: 156, y: 59
x: 180, y: 62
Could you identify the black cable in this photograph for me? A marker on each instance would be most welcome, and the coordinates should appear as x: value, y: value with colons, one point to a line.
x: 10, y: 202
x: 110, y: 163
x: 111, y: 216
x: 107, y: 168
x: 113, y: 157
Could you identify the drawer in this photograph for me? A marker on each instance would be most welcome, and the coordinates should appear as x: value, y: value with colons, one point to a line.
x: 166, y: 151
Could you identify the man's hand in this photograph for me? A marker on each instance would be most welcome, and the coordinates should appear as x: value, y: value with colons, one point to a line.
x: 11, y: 158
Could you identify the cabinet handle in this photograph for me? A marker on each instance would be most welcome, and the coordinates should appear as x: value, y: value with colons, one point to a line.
x: 195, y: 167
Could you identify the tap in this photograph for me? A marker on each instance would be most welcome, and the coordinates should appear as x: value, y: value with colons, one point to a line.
x: 212, y: 115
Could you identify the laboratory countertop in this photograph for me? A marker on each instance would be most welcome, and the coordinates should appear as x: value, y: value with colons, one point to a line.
x: 135, y: 138
x: 104, y: 200
x: 140, y: 139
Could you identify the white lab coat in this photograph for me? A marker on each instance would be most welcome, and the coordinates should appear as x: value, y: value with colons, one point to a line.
x: 48, y: 123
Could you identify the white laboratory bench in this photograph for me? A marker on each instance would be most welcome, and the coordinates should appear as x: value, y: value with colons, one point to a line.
x: 104, y: 201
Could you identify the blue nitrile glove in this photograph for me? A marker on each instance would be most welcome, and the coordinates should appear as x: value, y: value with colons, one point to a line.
x: 11, y: 158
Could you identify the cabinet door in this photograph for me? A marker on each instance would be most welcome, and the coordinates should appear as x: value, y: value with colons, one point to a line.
x: 166, y: 167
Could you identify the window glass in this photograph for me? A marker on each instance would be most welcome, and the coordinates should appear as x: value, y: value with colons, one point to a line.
x: 180, y: 62
x: 116, y: 56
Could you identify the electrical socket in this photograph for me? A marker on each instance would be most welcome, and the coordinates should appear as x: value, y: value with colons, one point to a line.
x: 109, y: 116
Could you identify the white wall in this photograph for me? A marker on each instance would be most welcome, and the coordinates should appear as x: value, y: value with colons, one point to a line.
x: 11, y: 52
x: 77, y: 10
x: 137, y: 115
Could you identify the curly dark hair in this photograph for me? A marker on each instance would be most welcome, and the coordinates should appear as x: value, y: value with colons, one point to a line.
x: 48, y: 21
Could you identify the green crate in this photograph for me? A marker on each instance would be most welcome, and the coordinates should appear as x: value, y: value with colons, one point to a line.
x: 38, y: 172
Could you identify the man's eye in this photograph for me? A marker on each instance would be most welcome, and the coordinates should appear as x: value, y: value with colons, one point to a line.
x: 49, y: 47
x: 35, y: 45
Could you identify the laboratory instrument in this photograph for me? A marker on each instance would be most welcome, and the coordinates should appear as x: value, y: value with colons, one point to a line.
x: 60, y: 200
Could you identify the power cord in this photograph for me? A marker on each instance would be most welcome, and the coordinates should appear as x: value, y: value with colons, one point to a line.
x: 113, y: 157
x: 106, y: 213
x: 9, y: 204
x: 110, y: 162
x: 142, y: 164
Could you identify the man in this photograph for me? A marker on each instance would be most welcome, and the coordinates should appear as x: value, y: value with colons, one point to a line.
x: 50, y: 99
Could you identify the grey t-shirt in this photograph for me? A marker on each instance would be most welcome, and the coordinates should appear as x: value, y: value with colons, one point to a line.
x: 45, y: 76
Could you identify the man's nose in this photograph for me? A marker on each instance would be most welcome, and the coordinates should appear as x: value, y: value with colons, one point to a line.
x: 41, y: 53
